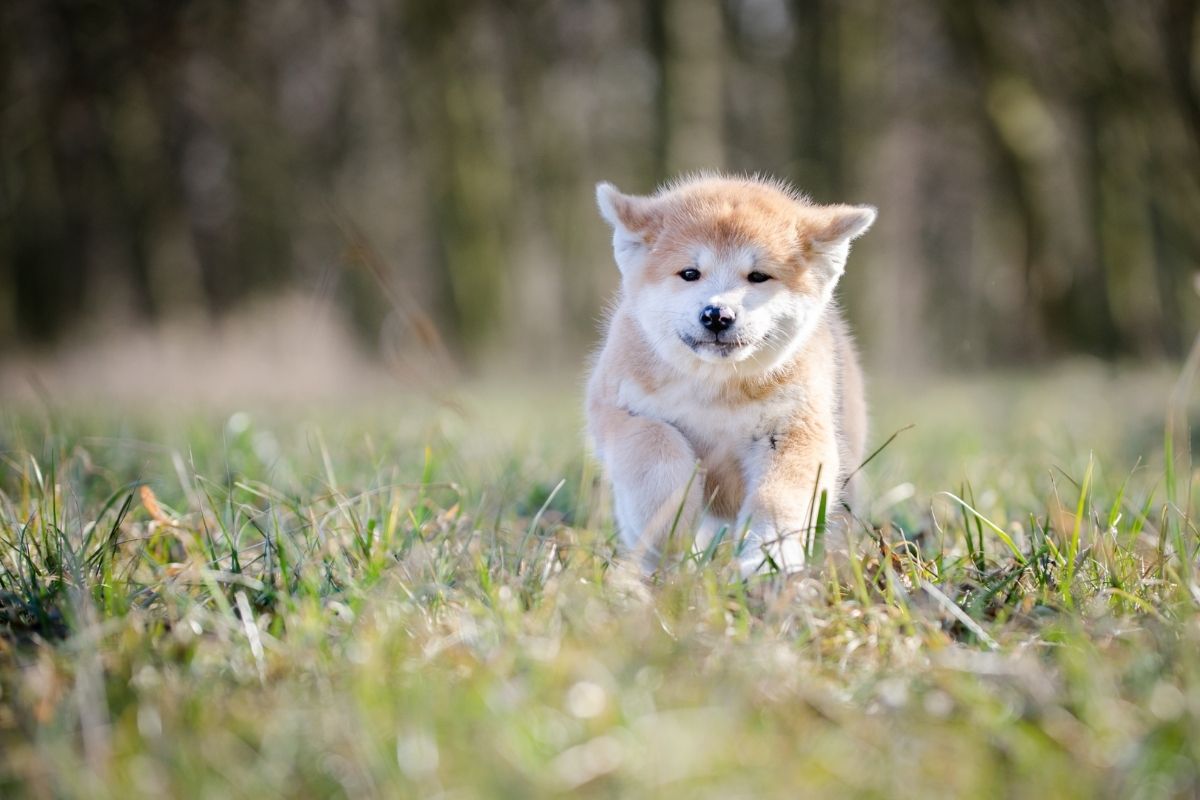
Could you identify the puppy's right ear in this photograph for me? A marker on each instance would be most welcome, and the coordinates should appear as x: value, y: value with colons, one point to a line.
x: 635, y: 222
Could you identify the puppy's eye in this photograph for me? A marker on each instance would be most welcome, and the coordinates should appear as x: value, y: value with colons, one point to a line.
x: 758, y: 277
x: 690, y: 274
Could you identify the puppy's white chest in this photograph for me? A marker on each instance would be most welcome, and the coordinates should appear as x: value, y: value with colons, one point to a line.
x: 711, y: 423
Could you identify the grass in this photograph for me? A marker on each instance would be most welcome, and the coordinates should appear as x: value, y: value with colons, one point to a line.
x: 423, y: 600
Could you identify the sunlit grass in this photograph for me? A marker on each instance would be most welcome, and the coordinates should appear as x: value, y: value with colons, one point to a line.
x: 426, y: 600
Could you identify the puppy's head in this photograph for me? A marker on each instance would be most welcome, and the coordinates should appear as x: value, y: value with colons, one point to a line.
x: 728, y: 271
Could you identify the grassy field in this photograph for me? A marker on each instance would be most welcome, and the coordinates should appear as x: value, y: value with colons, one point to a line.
x: 420, y: 598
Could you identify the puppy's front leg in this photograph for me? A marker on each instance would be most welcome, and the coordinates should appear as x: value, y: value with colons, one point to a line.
x: 792, y: 468
x: 656, y: 485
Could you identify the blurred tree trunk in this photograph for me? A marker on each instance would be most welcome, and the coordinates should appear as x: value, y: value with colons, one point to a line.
x: 816, y: 74
x: 659, y: 51
x: 49, y: 230
x: 968, y: 36
x: 1176, y: 239
x: 1065, y: 289
x: 1179, y: 33
x: 455, y: 102
x: 693, y: 85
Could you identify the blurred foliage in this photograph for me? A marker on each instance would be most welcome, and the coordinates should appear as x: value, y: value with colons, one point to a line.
x: 427, y: 164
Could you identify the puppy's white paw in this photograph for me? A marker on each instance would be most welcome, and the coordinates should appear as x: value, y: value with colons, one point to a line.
x: 764, y: 552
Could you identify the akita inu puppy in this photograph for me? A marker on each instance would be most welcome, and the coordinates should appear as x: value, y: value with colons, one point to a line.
x: 728, y: 392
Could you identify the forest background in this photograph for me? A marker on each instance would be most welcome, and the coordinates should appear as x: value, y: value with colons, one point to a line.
x: 423, y: 171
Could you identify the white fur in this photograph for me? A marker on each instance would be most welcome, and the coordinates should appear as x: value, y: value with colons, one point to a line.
x: 720, y: 436
x: 771, y: 323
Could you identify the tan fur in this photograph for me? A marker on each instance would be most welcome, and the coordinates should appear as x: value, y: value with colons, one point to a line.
x: 741, y: 428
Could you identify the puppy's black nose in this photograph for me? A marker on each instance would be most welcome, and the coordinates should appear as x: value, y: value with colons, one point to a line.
x: 716, y: 318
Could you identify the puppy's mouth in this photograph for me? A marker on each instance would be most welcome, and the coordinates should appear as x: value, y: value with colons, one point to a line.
x: 723, y: 346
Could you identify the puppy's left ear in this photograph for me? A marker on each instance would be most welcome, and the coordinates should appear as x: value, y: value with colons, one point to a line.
x: 843, y: 223
x: 635, y: 221
x: 827, y: 232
